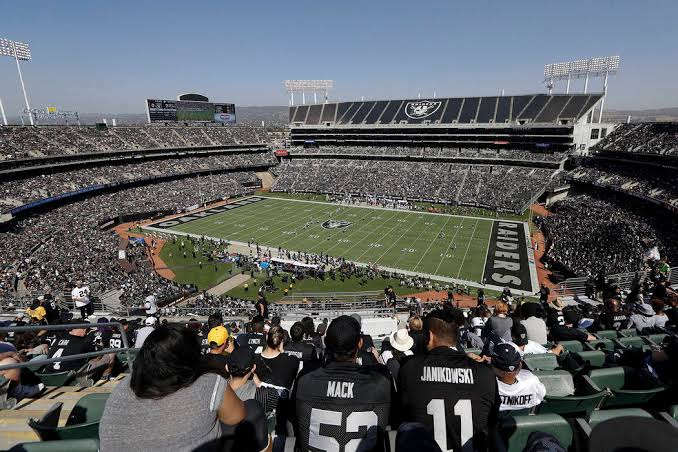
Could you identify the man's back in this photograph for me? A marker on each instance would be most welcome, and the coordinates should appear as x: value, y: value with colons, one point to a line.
x: 303, y: 350
x: 342, y: 406
x: 67, y: 345
x: 454, y: 396
x: 255, y: 341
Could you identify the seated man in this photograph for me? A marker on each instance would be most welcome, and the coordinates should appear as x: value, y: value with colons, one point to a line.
x: 518, y: 388
x: 73, y: 342
x: 528, y: 347
x: 445, y: 390
x: 343, y: 405
x: 568, y: 331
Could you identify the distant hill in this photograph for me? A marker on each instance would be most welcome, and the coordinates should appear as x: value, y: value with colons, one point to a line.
x: 655, y: 114
x: 273, y: 116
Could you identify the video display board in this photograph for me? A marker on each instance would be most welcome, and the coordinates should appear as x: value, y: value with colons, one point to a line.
x: 160, y: 110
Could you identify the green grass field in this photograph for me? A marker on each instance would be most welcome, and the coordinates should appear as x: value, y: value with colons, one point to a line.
x: 440, y: 245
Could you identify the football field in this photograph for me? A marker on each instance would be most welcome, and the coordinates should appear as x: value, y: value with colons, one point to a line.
x: 447, y: 246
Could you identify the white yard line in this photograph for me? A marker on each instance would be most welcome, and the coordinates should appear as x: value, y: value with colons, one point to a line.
x: 431, y: 244
x: 467, y: 248
x: 461, y: 226
x: 383, y: 235
x: 396, y: 241
x: 362, y: 238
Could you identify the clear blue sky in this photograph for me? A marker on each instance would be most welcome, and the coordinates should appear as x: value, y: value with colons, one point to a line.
x: 107, y: 56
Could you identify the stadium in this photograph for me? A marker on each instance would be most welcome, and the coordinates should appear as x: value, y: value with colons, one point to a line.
x: 336, y: 283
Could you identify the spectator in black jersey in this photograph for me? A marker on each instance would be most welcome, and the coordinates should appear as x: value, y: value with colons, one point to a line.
x: 74, y: 342
x: 415, y: 328
x: 554, y: 313
x: 304, y: 351
x: 255, y: 339
x: 342, y: 404
x: 261, y: 305
x: 614, y: 317
x: 221, y: 345
x: 311, y: 335
x: 569, y: 331
x: 447, y: 388
x: 368, y: 343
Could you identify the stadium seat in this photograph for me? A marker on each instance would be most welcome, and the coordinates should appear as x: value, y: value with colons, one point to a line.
x: 82, y: 423
x: 477, y: 351
x: 605, y: 344
x: 70, y: 445
x: 606, y: 334
x: 631, y: 341
x: 122, y: 356
x: 56, y: 379
x: 572, y: 346
x: 541, y: 361
x: 654, y: 339
x: 5, y: 401
x: 595, y: 358
x: 614, y: 379
x: 598, y: 416
x: 632, y: 434
x: 562, y: 397
x: 516, y: 430
x: 629, y: 332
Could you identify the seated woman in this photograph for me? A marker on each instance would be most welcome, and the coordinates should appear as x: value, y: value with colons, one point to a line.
x: 167, y: 404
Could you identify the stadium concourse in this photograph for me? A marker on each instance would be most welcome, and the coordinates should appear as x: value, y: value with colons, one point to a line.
x: 595, y: 341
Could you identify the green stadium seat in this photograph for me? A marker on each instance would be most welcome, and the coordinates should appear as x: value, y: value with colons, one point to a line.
x: 600, y: 344
x: 572, y: 346
x: 516, y: 430
x: 614, y: 379
x: 477, y: 351
x: 541, y: 361
x: 596, y: 417
x: 56, y: 379
x: 631, y: 341
x: 82, y: 423
x: 71, y: 445
x: 562, y: 397
x: 511, y: 413
x: 595, y: 357
x: 654, y: 339
x: 628, y: 332
x: 607, y: 334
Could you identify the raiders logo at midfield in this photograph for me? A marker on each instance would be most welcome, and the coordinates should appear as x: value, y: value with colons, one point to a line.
x: 422, y: 108
x: 336, y: 224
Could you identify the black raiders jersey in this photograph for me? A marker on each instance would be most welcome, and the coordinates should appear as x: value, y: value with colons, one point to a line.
x: 113, y: 339
x: 452, y: 395
x: 554, y: 317
x: 342, y: 406
x: 255, y: 341
x: 303, y: 350
x: 67, y: 345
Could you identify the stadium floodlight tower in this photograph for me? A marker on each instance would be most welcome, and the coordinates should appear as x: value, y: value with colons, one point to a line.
x: 592, y: 67
x: 19, y: 51
x: 304, y: 86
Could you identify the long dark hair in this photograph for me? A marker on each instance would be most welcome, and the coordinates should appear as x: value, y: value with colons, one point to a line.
x: 168, y: 361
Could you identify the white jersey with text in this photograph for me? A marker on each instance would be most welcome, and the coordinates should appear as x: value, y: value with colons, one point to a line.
x: 526, y: 392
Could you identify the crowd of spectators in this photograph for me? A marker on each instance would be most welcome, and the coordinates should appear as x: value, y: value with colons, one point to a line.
x: 24, y: 142
x: 53, y: 250
x: 653, y: 182
x: 659, y: 138
x: 291, y: 375
x: 499, y: 187
x: 22, y: 191
x: 590, y: 235
x: 437, y: 152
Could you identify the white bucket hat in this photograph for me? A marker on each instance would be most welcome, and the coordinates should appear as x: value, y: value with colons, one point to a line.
x: 401, y: 340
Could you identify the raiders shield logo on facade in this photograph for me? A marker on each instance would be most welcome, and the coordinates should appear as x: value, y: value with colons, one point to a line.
x: 336, y: 224
x: 422, y: 108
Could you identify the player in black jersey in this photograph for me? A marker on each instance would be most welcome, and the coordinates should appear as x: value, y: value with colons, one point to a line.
x: 342, y: 406
x: 455, y: 397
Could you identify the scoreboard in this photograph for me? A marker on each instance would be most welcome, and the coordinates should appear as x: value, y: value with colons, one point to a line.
x: 159, y: 110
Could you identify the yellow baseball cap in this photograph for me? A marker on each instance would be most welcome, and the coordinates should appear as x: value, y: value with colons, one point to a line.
x: 217, y: 335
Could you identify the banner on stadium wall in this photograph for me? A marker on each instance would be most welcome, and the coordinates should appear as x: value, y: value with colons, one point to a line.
x: 281, y: 153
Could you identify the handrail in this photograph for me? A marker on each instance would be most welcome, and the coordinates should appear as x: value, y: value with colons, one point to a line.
x: 68, y: 327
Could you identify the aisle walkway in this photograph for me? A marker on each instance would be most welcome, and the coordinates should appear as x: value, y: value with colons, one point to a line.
x: 229, y: 284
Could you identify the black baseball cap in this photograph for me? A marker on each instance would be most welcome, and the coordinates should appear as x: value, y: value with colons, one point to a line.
x: 241, y: 360
x: 343, y: 335
x: 571, y: 316
x: 519, y: 334
x: 505, y: 357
